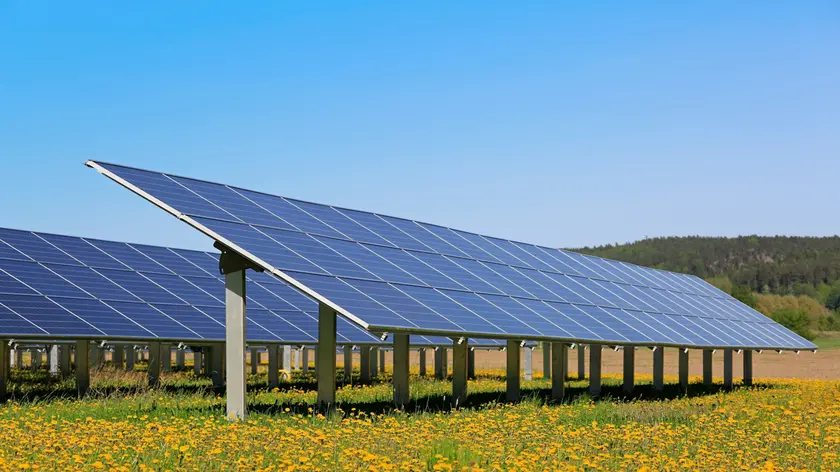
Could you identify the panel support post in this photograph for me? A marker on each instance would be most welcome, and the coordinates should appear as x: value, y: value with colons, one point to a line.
x: 130, y: 357
x: 82, y: 367
x: 748, y: 367
x: 154, y: 363
x: 235, y: 343
x: 460, y: 371
x: 213, y: 366
x: 255, y: 360
x: 422, y: 352
x: 287, y: 360
x: 595, y: 370
x: 273, y: 366
x: 117, y: 357
x: 727, y: 368
x: 581, y: 362
x: 512, y: 377
x: 64, y: 361
x: 558, y: 361
x: 364, y: 364
x: 382, y: 361
x: 439, y: 363
x: 683, y: 369
x: 326, y: 356
x: 374, y: 362
x: 304, y: 359
x: 166, y: 357
x: 179, y: 358
x: 400, y: 377
x: 348, y: 363
x: 198, y: 356
x: 546, y: 350
x: 53, y: 360
x: 659, y: 369
x: 528, y: 354
x: 470, y: 363
x: 629, y: 369
x: 5, y: 367
x: 707, y: 367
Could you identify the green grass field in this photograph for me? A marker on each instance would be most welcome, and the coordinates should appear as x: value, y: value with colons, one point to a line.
x: 828, y: 341
x: 123, y: 425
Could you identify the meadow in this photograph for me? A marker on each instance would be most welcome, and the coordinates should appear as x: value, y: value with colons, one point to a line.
x: 122, y: 425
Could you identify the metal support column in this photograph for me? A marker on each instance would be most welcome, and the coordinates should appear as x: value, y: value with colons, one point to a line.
x: 558, y: 361
x: 659, y: 369
x: 304, y: 359
x: 273, y: 366
x: 727, y: 368
x: 595, y: 370
x: 546, y: 351
x: 179, y: 358
x: 400, y: 377
x: 528, y: 354
x: 512, y: 378
x: 117, y: 357
x: 374, y: 362
x: 581, y: 361
x: 326, y: 355
x: 5, y: 367
x: 748, y: 367
x: 35, y: 358
x: 255, y: 360
x: 683, y: 369
x: 422, y: 352
x: 130, y: 357
x: 364, y: 364
x: 439, y: 363
x: 707, y: 367
x: 214, y: 364
x: 198, y: 357
x: 82, y: 367
x: 64, y: 361
x: 348, y: 363
x: 629, y: 368
x: 54, y: 357
x: 235, y: 297
x: 154, y: 363
x: 287, y: 359
x: 382, y: 361
x: 460, y: 368
x: 470, y: 363
x: 166, y: 357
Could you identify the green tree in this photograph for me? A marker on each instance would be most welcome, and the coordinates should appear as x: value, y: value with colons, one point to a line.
x: 745, y: 295
x: 794, y: 320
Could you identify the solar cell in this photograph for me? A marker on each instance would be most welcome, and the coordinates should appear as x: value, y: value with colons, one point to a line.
x: 388, y: 273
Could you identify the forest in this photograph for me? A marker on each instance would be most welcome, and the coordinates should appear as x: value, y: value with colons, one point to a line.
x: 785, y: 277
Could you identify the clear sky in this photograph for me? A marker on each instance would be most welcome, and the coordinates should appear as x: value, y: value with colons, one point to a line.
x: 563, y: 123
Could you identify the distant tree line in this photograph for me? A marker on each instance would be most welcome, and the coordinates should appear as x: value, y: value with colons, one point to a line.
x: 796, y: 276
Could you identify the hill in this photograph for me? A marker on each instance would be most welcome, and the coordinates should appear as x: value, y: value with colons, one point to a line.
x: 779, y: 269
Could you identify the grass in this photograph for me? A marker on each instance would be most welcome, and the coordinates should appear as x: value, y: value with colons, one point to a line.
x: 828, y: 341
x: 123, y: 425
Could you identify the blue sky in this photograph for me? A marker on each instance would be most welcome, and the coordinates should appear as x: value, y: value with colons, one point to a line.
x: 564, y: 123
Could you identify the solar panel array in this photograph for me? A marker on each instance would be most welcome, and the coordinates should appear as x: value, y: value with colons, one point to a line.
x: 63, y: 286
x: 396, y: 274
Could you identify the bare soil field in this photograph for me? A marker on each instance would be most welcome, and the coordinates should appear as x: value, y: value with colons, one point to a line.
x: 824, y: 364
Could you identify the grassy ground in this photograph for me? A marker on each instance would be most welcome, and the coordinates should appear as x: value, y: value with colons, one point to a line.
x: 122, y: 425
x: 828, y: 340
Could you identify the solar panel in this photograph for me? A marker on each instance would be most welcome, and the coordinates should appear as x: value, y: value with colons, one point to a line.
x: 114, y: 290
x: 394, y: 274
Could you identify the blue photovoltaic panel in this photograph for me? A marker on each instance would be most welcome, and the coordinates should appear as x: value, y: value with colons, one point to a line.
x: 394, y: 273
x: 107, y: 289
